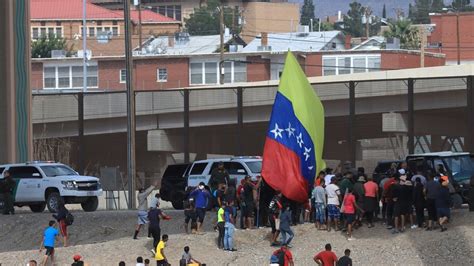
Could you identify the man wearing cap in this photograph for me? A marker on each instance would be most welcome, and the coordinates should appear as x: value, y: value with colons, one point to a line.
x: 78, y: 261
x: 443, y: 203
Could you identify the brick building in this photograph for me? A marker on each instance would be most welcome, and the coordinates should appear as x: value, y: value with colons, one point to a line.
x: 105, y: 28
x: 444, y: 37
x: 179, y: 71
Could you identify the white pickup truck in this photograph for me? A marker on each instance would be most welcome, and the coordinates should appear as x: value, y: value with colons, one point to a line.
x: 41, y: 184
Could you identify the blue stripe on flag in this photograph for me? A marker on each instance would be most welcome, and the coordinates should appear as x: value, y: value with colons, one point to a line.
x: 286, y: 129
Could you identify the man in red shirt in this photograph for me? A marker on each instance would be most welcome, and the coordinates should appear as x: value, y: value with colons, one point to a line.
x: 286, y: 253
x: 327, y: 257
x: 371, y: 199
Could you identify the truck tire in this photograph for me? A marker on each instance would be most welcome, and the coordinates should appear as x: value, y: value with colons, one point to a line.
x: 456, y: 201
x: 37, y: 207
x: 90, y: 204
x: 52, y: 201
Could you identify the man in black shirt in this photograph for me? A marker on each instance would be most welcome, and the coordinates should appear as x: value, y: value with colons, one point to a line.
x: 8, y: 186
x: 397, y: 204
x: 154, y: 216
x: 345, y: 260
x: 219, y: 176
x: 248, y: 197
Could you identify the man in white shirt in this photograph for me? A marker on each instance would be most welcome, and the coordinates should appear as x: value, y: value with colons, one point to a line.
x: 332, y: 190
x: 328, y: 177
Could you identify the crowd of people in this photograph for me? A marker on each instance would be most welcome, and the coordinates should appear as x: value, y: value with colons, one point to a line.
x: 339, y: 201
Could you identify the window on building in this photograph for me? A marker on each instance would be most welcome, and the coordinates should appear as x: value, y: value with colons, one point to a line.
x: 196, y: 73
x: 329, y: 66
x: 94, y: 31
x: 69, y: 77
x: 240, y: 72
x: 373, y: 63
x: 210, y: 73
x: 344, y: 65
x: 359, y: 64
x: 49, y: 74
x: 45, y: 31
x: 123, y: 75
x: 171, y: 11
x: 63, y: 77
x: 228, y: 72
x: 162, y: 74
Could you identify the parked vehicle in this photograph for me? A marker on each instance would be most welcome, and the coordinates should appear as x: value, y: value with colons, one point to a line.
x: 383, y: 167
x: 179, y: 179
x: 40, y: 184
x: 458, y: 166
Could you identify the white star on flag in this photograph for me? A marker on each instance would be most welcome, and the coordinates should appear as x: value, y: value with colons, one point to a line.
x: 290, y: 130
x: 306, y: 153
x: 310, y: 167
x: 299, y: 140
x: 277, y: 131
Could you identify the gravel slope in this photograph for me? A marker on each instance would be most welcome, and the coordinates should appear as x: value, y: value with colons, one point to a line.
x: 374, y: 246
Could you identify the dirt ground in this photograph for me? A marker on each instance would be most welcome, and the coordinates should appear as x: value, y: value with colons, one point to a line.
x: 104, y: 238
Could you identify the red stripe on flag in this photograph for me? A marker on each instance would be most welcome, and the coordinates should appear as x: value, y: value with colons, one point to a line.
x: 282, y: 171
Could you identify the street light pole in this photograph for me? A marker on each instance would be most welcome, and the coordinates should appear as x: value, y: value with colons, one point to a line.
x: 139, y: 8
x: 130, y: 108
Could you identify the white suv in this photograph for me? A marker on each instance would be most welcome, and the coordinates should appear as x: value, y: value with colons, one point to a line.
x: 238, y: 168
x: 41, y: 184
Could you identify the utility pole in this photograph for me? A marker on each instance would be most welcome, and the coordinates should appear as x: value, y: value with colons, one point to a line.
x: 368, y: 13
x: 139, y: 8
x: 458, y: 37
x: 130, y: 107
x: 221, y: 60
x: 84, y: 45
x: 422, y: 48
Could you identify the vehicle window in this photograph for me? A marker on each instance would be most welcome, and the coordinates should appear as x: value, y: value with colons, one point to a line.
x: 1, y: 170
x: 57, y: 170
x: 216, y: 164
x: 255, y: 167
x: 198, y: 168
x: 439, y: 165
x: 461, y: 167
x: 24, y: 172
x: 235, y: 168
x: 176, y: 171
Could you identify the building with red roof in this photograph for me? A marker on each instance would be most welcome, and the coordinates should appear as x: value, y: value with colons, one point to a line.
x: 105, y: 27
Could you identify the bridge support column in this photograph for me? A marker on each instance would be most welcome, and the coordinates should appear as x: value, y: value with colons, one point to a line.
x: 411, y: 117
x: 186, y: 126
x: 469, y: 140
x: 240, y: 120
x: 351, y: 139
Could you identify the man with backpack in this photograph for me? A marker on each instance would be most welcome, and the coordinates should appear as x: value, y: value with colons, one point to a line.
x: 65, y: 219
x: 282, y: 256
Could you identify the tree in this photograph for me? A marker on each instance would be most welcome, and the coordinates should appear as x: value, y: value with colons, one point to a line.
x: 384, y: 12
x: 205, y: 19
x: 42, y: 47
x: 307, y: 12
x: 353, y: 20
x: 421, y: 10
x: 462, y: 5
x: 437, y: 6
x: 408, y: 35
x: 352, y: 23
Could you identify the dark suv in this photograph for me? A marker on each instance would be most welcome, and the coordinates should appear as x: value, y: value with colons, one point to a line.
x: 173, y: 184
x: 383, y: 167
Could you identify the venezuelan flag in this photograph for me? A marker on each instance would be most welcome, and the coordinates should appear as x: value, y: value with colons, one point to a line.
x: 293, y: 149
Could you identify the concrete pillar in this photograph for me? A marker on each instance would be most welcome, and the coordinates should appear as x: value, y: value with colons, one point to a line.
x: 15, y: 93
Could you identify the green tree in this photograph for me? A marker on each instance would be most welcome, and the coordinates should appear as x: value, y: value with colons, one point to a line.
x: 205, y: 19
x: 408, y: 35
x: 307, y: 12
x: 42, y: 47
x: 462, y: 5
x: 437, y: 6
x: 384, y: 12
x: 353, y: 20
x: 421, y: 10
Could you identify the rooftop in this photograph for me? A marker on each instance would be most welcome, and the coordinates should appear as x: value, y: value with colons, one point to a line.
x: 184, y: 44
x: 295, y: 41
x: 58, y: 10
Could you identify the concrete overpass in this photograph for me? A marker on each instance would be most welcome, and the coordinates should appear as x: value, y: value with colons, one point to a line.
x: 232, y: 119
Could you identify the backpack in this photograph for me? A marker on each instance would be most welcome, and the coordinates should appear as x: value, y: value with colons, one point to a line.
x: 69, y: 219
x: 281, y: 257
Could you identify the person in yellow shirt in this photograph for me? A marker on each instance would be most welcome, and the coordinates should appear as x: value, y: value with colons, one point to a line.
x: 220, y: 226
x: 160, y: 256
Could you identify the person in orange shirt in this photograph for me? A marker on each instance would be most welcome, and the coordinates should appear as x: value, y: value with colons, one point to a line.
x: 371, y: 199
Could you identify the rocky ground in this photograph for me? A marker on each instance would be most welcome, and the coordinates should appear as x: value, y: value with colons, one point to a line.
x: 104, y: 238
